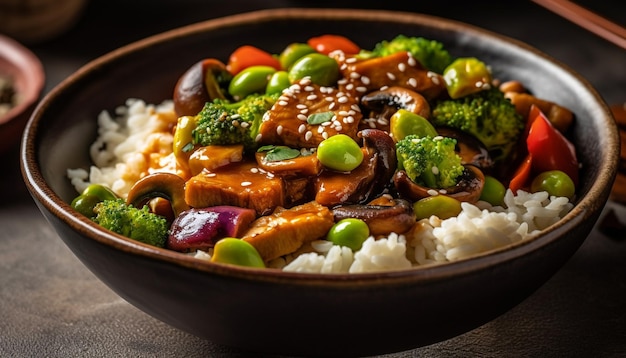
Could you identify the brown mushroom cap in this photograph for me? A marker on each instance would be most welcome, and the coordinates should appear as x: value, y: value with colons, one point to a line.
x: 468, y: 189
x: 198, y: 85
x: 381, y: 219
x: 382, y: 104
x: 159, y: 185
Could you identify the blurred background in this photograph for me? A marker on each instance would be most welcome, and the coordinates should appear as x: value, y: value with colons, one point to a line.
x: 580, y: 312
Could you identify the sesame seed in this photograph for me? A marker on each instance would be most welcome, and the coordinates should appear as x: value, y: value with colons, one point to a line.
x: 283, y: 103
x: 329, y: 99
x: 412, y: 82
x: 320, y: 129
x: 235, y: 116
x: 246, y: 183
x: 258, y: 137
x: 350, y: 86
x: 309, y: 88
x: 211, y: 175
x: 279, y: 130
x: 325, y: 135
x: 326, y: 124
x: 254, y: 170
x: 331, y: 106
x: 245, y: 124
x: 342, y: 81
x: 435, y: 170
x: 304, y: 111
x: 311, y: 97
x: 351, y: 60
x: 432, y: 192
x: 365, y: 80
x: 402, y: 66
x: 343, y: 99
x: 354, y: 75
x: 411, y: 61
x: 391, y: 76
x: 308, y: 136
x: 302, y: 117
x: 338, y: 128
x: 361, y: 89
x: 301, y: 106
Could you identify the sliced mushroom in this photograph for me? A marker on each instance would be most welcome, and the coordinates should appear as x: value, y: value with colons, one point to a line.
x: 368, y: 179
x: 159, y: 185
x: 382, y: 104
x: 381, y: 219
x: 468, y: 188
x: 201, y: 83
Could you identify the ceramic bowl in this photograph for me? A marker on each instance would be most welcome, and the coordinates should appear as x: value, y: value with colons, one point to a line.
x: 267, y: 311
x: 22, y: 71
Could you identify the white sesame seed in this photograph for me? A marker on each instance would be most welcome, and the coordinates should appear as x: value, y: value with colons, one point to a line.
x: 402, y: 66
x: 325, y: 135
x: 302, y: 128
x: 326, y: 124
x: 311, y: 97
x: 412, y: 82
x: 411, y: 61
x: 351, y: 60
x: 235, y: 116
x: 308, y: 136
x: 246, y: 183
x: 332, y: 105
x: 343, y: 99
x: 435, y: 170
x: 283, y: 103
x: 302, y: 117
x: 309, y: 88
x: 432, y: 192
x: 350, y: 86
x: 365, y: 80
x: 354, y: 75
x: 258, y: 137
x: 279, y: 130
x: 320, y: 129
x: 254, y: 170
x: 301, y: 106
x: 329, y: 99
x: 338, y: 128
x: 211, y: 175
x: 304, y: 111
x: 245, y: 124
x: 361, y: 89
x: 391, y: 76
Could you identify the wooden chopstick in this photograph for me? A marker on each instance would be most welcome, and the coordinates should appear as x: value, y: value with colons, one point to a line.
x: 587, y: 19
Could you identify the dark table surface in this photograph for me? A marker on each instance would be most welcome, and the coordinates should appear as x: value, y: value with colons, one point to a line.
x: 52, y: 306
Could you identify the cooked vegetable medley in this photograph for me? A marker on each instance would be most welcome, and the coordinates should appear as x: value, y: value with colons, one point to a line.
x: 329, y: 157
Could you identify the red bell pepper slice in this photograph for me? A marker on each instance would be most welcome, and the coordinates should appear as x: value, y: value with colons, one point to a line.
x: 247, y: 55
x: 549, y: 148
x: 521, y: 177
x: 328, y: 43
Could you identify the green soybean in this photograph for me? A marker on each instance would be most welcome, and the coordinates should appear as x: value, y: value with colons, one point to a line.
x: 234, y: 251
x: 322, y: 70
x: 340, y: 152
x: 403, y: 123
x: 253, y: 79
x: 555, y: 182
x: 89, y: 197
x: 493, y: 191
x: 466, y: 75
x: 350, y: 232
x: 278, y: 82
x: 441, y: 206
x: 292, y: 53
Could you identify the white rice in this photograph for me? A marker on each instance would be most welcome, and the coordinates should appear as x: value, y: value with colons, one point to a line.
x: 136, y: 133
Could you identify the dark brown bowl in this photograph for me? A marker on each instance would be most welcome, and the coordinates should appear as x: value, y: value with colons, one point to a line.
x: 25, y: 71
x: 308, y: 314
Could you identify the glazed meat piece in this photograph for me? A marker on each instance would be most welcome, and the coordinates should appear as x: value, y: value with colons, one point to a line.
x: 240, y: 184
x: 286, y: 230
x: 288, y: 121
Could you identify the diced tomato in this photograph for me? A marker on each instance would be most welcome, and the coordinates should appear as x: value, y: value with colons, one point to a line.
x: 326, y: 44
x: 247, y: 55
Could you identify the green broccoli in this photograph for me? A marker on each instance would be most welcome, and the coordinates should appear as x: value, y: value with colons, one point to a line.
x: 127, y: 220
x: 223, y: 122
x: 487, y: 115
x: 430, y: 161
x: 430, y: 53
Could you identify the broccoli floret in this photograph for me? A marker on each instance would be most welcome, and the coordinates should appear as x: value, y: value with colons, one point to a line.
x: 430, y: 161
x: 223, y: 122
x: 487, y: 115
x: 430, y: 53
x: 135, y: 223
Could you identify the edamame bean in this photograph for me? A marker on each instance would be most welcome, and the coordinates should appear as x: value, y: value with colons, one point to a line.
x: 442, y: 206
x: 466, y: 75
x: 555, y: 182
x: 230, y: 250
x: 340, y: 152
x: 278, y: 82
x: 253, y: 79
x: 322, y: 69
x: 493, y: 191
x: 403, y: 123
x: 350, y: 232
x: 292, y: 53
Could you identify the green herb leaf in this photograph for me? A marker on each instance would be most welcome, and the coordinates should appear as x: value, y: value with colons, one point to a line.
x: 281, y: 152
x: 266, y: 148
x: 319, y: 118
x: 188, y: 147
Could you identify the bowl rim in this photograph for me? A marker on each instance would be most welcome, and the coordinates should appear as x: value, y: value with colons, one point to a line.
x: 24, y: 61
x: 583, y: 209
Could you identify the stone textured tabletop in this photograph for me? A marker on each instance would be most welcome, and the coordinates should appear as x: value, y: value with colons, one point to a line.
x: 52, y: 306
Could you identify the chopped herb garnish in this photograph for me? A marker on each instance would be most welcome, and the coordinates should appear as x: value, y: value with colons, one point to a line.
x: 277, y: 153
x: 319, y: 118
x: 188, y: 147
